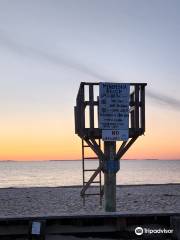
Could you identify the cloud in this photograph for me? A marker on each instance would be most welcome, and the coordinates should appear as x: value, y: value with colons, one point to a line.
x: 28, y: 51
x: 163, y: 99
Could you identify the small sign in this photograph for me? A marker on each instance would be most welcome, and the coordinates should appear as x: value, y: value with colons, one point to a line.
x: 36, y: 228
x: 114, y: 110
x: 115, y: 135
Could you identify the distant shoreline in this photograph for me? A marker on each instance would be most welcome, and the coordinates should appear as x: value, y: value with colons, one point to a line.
x: 80, y: 186
x: 70, y: 160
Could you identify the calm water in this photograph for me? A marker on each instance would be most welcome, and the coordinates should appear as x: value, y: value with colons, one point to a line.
x: 60, y: 173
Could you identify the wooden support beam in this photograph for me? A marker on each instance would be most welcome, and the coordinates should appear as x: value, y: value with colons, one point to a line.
x: 82, y: 109
x: 100, y: 152
x: 137, y: 107
x: 125, y: 148
x: 121, y: 147
x: 132, y: 110
x: 91, y: 107
x: 95, y: 103
x: 142, y: 96
x: 110, y: 178
x: 97, y: 83
x: 94, y: 146
x: 91, y: 179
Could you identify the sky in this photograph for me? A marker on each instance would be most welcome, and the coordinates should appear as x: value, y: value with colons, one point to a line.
x: 47, y: 47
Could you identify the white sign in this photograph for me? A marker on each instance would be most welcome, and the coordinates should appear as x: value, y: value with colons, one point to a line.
x: 115, y: 135
x: 114, y: 110
x: 36, y: 228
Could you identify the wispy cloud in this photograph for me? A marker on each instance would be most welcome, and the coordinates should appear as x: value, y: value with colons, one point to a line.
x: 39, y: 54
x: 163, y: 99
x: 28, y: 51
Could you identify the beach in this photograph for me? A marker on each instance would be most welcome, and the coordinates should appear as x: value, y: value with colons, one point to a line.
x: 58, y: 201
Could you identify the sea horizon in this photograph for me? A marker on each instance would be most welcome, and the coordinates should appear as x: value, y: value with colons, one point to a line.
x: 56, y: 160
x: 69, y: 172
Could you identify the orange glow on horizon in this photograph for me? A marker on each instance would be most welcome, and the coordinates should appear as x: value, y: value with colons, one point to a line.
x: 45, y: 138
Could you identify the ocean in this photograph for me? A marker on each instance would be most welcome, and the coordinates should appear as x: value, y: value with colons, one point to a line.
x: 67, y: 173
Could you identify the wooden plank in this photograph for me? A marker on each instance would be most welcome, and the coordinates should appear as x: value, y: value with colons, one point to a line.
x: 82, y: 110
x: 76, y: 120
x: 121, y: 148
x: 110, y: 178
x: 90, y: 83
x: 132, y: 119
x: 127, y: 146
x: 14, y: 229
x: 94, y: 146
x: 91, y: 108
x: 137, y: 107
x: 96, y: 133
x: 14, y: 221
x: 91, y: 180
x: 98, y: 148
x: 142, y: 96
x: 79, y: 223
x: 97, y: 83
x: 95, y: 103
x: 57, y: 229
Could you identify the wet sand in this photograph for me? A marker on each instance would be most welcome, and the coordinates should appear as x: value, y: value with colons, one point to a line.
x: 58, y: 201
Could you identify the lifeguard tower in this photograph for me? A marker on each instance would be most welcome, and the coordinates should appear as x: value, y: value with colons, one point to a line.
x: 108, y: 112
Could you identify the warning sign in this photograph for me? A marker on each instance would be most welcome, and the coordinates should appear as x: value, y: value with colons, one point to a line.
x: 114, y: 111
x: 115, y: 135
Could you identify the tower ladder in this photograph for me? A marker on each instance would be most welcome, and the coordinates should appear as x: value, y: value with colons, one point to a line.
x: 85, y: 170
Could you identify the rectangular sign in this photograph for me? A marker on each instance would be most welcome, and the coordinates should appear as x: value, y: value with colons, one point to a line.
x: 115, y: 135
x: 36, y: 228
x: 114, y: 110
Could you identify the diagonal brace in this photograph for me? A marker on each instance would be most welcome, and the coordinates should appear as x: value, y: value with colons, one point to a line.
x: 124, y: 147
x: 95, y: 147
x: 91, y: 179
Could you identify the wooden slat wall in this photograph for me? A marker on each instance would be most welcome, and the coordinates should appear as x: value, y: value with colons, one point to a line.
x: 137, y: 118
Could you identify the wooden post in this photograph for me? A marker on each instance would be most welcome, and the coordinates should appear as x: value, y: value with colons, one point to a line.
x: 143, y: 108
x: 91, y: 106
x: 137, y: 106
x: 110, y: 176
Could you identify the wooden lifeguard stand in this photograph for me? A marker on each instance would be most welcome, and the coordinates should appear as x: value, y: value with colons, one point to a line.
x: 108, y: 112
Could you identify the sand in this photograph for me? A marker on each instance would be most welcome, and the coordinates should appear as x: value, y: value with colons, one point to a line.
x: 58, y: 201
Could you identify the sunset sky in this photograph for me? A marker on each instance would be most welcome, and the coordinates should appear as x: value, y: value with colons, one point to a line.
x: 47, y: 47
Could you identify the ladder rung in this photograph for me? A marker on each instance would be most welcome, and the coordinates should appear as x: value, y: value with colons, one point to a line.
x: 93, y: 182
x: 86, y: 146
x: 90, y: 170
x: 91, y: 158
